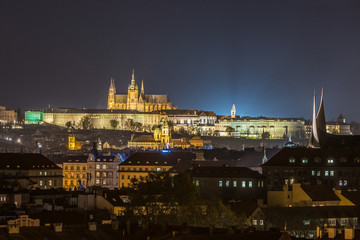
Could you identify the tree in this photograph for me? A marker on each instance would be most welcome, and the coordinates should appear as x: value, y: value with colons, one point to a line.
x: 114, y: 123
x: 229, y: 130
x: 265, y: 135
x: 138, y: 126
x: 130, y: 124
x: 68, y: 124
x: 85, y: 122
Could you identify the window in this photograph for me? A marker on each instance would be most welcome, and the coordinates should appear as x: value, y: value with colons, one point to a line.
x: 97, y: 174
x: 345, y: 182
x: 313, y: 173
x: 326, y: 173
x: 250, y: 183
x: 66, y: 182
x: 234, y: 183
x: 128, y: 177
x: 66, y: 167
x: 261, y: 222
x: 72, y: 168
x: 340, y: 182
x: 254, y: 222
x: 330, y: 161
x: 262, y: 183
x: 41, y: 183
x: 40, y: 173
x: 50, y: 182
x: 122, y: 176
x: 97, y: 181
x: 318, y: 173
x: 104, y: 182
x: 55, y: 183
x: 304, y: 160
x: 243, y: 184
x: 227, y: 183
x: 78, y: 168
x: 84, y: 168
x: 97, y: 166
x: 197, y: 183
x: 158, y: 169
x: 331, y: 173
x: 220, y: 183
x: 104, y: 174
x: 104, y: 166
x: 291, y: 160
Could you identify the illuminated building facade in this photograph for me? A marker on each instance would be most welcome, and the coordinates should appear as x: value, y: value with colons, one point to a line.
x: 160, y: 140
x: 135, y: 101
x: 102, y: 170
x: 75, y: 172
x: 140, y: 164
x: 7, y: 116
x: 30, y: 170
x: 97, y: 118
x: 254, y: 127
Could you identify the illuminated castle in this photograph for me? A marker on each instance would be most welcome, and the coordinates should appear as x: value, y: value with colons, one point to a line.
x: 135, y: 101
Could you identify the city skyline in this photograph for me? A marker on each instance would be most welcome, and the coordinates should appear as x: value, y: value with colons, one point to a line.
x: 266, y: 58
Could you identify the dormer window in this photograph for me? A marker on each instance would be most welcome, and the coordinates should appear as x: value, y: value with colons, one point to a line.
x: 330, y: 161
x: 304, y: 161
x: 291, y: 160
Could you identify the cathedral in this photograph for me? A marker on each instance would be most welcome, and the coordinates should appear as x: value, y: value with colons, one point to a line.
x: 135, y: 101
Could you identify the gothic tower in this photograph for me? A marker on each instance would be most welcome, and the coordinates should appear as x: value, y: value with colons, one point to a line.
x: 133, y: 94
x: 111, y: 96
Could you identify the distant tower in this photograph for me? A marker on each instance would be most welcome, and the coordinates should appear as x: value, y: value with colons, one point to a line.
x: 233, y: 111
x: 142, y: 87
x: 341, y: 119
x: 111, y: 96
x: 133, y: 94
x: 264, y: 159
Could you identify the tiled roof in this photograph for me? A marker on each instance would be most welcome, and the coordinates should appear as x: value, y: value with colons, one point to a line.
x: 158, y: 158
x: 25, y: 161
x: 143, y: 138
x: 320, y: 192
x: 224, y: 172
x: 344, y: 157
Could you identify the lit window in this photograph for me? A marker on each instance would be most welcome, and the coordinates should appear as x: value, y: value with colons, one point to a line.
x: 340, y: 182
x: 332, y: 173
x: 254, y: 222
x: 330, y: 161
x: 345, y: 182
x: 261, y: 222
x: 250, y: 183
x: 97, y: 166
x: 158, y: 169
x: 234, y: 183
x: 41, y: 183
x: 326, y: 173
x: 50, y: 182
x: 220, y: 183
x: 291, y: 160
x: 97, y: 174
x: 40, y: 173
x: 313, y: 173
x: 305, y: 160
x: 97, y: 181
x: 262, y: 183
x: 227, y: 183
x: 258, y: 183
x: 318, y: 173
x: 104, y: 174
x: 197, y: 183
x: 243, y: 184
x: 104, y: 166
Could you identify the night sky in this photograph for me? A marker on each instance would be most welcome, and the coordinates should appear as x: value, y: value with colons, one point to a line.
x: 265, y: 56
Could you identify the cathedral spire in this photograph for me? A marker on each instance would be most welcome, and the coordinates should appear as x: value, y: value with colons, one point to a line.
x: 133, y: 78
x: 142, y: 86
x: 320, y: 117
x: 112, y: 85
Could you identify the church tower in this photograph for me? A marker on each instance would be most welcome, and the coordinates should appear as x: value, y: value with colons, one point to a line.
x: 111, y: 96
x: 233, y: 111
x: 133, y: 94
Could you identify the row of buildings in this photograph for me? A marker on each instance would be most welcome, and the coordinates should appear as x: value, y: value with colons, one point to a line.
x: 138, y: 111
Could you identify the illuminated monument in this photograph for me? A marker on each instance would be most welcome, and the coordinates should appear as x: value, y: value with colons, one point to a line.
x: 135, y: 101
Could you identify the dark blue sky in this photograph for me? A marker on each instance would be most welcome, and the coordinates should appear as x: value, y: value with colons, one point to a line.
x: 265, y: 56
